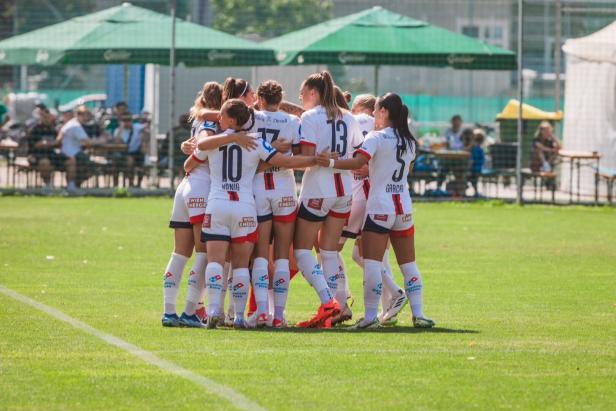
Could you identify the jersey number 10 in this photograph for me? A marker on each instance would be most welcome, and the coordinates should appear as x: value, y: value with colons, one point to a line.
x: 231, y: 163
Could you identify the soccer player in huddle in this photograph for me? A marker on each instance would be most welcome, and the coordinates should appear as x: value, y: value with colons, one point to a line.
x: 249, y: 214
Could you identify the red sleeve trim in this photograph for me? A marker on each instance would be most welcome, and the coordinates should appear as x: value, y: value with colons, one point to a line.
x: 364, y: 152
x: 197, y: 159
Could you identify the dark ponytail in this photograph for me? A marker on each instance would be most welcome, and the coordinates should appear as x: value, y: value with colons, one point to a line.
x: 324, y: 84
x: 399, y: 117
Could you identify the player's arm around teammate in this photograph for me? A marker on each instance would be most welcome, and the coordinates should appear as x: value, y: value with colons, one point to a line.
x: 325, y: 198
x: 390, y: 151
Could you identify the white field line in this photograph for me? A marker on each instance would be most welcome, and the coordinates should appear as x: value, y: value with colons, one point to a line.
x: 237, y: 399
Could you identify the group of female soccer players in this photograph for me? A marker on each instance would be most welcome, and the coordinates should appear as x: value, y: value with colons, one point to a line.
x: 238, y: 207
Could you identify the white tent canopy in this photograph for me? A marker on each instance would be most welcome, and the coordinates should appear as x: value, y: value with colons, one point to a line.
x: 590, y: 101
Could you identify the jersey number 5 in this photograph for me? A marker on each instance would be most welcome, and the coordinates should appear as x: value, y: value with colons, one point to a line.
x: 397, y: 176
x: 338, y: 126
x: 231, y: 163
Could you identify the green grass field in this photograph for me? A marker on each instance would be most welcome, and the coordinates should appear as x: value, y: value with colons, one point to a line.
x: 524, y: 298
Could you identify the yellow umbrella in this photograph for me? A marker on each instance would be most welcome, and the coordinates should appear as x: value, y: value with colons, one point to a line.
x: 510, y: 112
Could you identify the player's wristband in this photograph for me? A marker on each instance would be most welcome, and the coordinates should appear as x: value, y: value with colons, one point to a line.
x: 331, y: 163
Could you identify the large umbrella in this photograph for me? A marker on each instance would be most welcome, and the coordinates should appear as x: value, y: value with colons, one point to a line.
x: 378, y: 36
x: 127, y: 34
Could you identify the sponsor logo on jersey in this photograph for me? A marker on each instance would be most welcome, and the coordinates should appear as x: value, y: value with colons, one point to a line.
x: 394, y: 188
x: 381, y: 217
x: 196, y: 202
x: 207, y: 221
x: 287, y: 202
x: 247, y: 222
x: 315, y: 203
x: 407, y: 217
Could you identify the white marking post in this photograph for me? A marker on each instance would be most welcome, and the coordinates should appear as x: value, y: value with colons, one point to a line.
x: 237, y: 399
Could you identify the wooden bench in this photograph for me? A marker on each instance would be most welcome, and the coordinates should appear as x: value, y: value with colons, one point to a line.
x: 609, y: 176
x: 541, y: 177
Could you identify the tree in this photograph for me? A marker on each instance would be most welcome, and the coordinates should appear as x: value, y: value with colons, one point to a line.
x: 268, y: 18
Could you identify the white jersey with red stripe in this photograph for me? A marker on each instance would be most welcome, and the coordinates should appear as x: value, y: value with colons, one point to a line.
x: 202, y: 171
x: 273, y: 126
x: 390, y: 160
x: 340, y: 135
x: 361, y: 185
x: 233, y: 168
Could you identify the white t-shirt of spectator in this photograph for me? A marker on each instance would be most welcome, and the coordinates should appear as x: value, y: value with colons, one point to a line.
x: 134, y: 140
x: 454, y: 140
x: 73, y: 134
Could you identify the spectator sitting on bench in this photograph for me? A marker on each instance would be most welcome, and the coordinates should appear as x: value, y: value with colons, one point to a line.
x: 71, y: 137
x: 131, y: 134
x: 545, y: 149
x: 41, y: 140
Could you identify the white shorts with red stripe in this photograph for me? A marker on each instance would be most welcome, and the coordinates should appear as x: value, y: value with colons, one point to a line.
x: 396, y: 225
x: 318, y: 209
x: 229, y: 221
x: 354, y: 224
x: 275, y: 197
x: 190, y: 202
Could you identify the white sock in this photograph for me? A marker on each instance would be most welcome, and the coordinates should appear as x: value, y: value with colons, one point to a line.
x: 282, y: 278
x: 373, y: 288
x: 239, y: 290
x: 389, y: 283
x: 171, y: 281
x: 359, y: 260
x: 342, y: 268
x: 213, y: 283
x: 336, y: 280
x: 311, y: 270
x: 225, y: 285
x: 413, y: 286
x: 196, y: 283
x: 270, y: 298
x: 260, y: 284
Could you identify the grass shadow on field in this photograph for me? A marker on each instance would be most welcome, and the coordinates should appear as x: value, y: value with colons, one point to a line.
x: 381, y: 330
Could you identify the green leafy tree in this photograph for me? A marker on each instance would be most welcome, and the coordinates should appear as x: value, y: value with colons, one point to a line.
x: 268, y: 18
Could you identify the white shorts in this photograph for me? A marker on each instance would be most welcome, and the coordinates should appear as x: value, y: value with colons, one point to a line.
x: 189, y: 203
x: 318, y: 209
x: 281, y: 207
x: 229, y: 221
x: 396, y: 225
